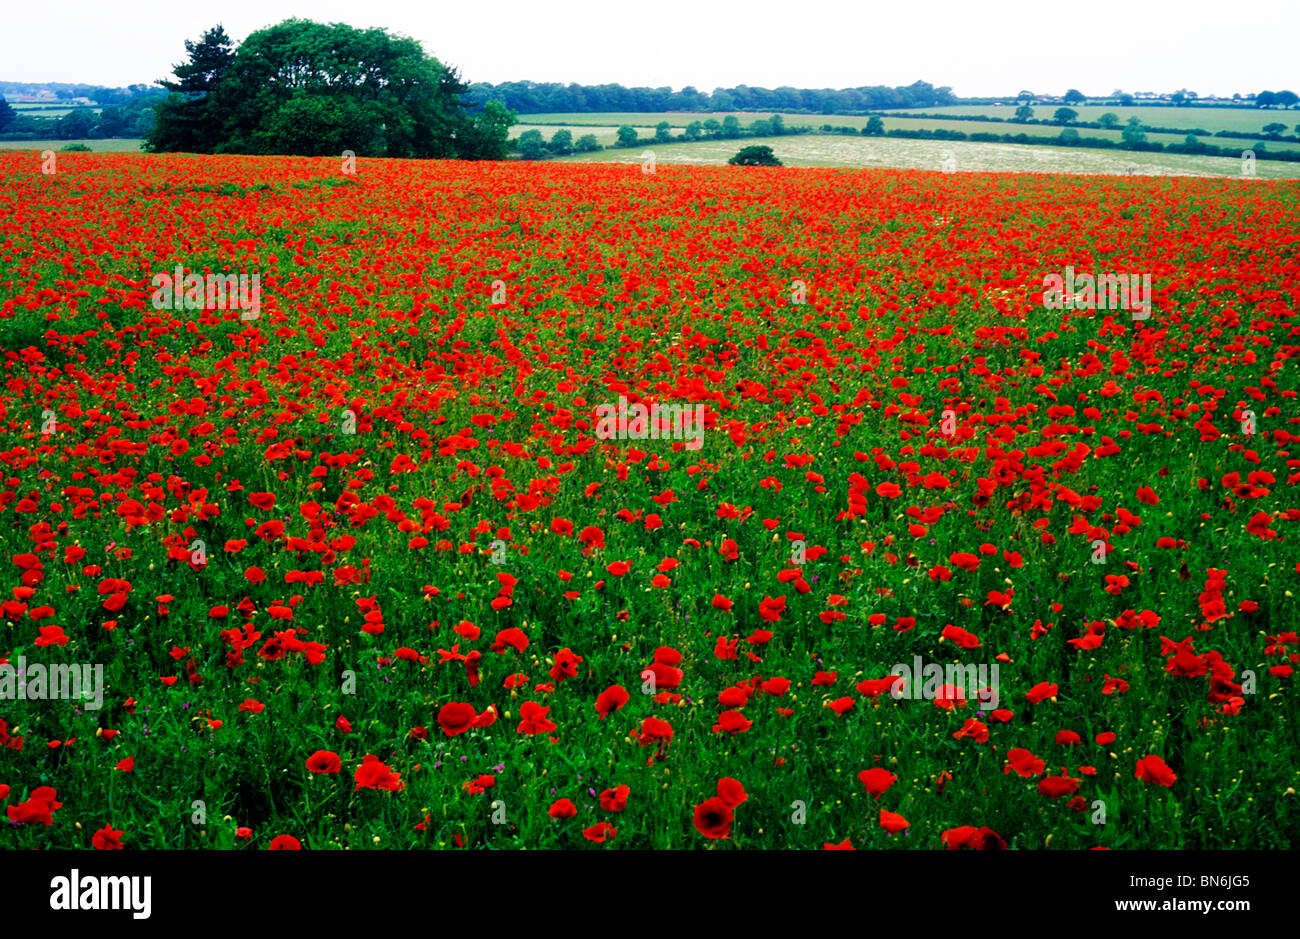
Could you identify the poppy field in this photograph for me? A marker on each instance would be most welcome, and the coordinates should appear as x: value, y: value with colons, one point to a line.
x: 366, y: 564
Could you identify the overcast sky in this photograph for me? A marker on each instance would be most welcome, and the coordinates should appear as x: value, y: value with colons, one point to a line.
x: 978, y: 48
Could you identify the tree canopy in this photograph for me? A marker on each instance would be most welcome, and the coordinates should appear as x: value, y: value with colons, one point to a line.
x: 312, y: 89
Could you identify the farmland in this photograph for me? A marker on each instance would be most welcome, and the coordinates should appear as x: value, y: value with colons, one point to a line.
x: 362, y: 570
x: 896, y: 153
x: 99, y: 145
x: 1208, y: 118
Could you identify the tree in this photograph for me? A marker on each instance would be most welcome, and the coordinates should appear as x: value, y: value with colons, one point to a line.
x: 627, y: 136
x: 693, y: 130
x: 587, y: 143
x: 712, y: 128
x: 1265, y: 99
x: 755, y: 156
x: 488, y: 137
x: 1126, y: 101
x: 76, y: 124
x: 312, y: 89
x: 875, y: 126
x: 113, y: 122
x: 663, y: 132
x: 730, y: 127
x: 1064, y: 115
x: 778, y: 124
x: 1024, y: 113
x: 7, y: 114
x: 191, y: 118
x: 1109, y: 120
x: 561, y: 142
x: 1026, y: 97
x: 1286, y: 99
x: 1133, y: 133
x: 1274, y: 130
x: 531, y: 145
x: 1074, y: 96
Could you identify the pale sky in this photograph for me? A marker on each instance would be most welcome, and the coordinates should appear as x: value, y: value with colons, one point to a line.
x: 995, y: 47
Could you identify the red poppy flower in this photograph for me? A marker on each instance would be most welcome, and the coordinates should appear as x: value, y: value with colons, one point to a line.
x: 324, y: 761
x: 107, y: 839
x: 713, y: 818
x: 877, y: 780
x: 455, y: 718
x: 562, y: 808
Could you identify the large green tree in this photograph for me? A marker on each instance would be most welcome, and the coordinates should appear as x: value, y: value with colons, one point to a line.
x: 192, y: 117
x: 313, y: 89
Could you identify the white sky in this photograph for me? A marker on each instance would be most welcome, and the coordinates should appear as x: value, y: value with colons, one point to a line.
x: 996, y: 47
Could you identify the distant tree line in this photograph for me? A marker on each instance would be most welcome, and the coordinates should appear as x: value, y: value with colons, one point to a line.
x: 134, y: 118
x: 526, y: 97
x: 532, y: 145
x: 63, y: 92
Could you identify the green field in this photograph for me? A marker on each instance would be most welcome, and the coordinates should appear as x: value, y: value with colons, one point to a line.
x: 1211, y: 119
x: 607, y: 135
x: 605, y: 125
x: 46, y: 110
x: 101, y: 145
x: 899, y: 153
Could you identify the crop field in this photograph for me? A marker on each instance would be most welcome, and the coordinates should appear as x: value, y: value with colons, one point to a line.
x: 390, y: 556
x: 1208, y: 118
x: 99, y: 145
x: 901, y: 153
x: 606, y: 135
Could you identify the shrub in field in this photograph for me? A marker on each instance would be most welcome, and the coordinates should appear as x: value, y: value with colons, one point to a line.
x: 757, y: 155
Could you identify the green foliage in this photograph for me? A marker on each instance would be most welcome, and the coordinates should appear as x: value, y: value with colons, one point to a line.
x: 531, y: 145
x: 312, y: 89
x: 191, y: 118
x: 757, y: 155
x: 77, y: 124
x: 627, y: 136
x: 561, y: 142
x: 1133, y: 133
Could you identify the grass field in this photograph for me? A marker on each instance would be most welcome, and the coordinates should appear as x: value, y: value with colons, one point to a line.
x: 41, y: 110
x: 606, y: 135
x: 375, y: 567
x: 895, y: 153
x: 605, y: 125
x: 1211, y: 119
x: 101, y: 145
